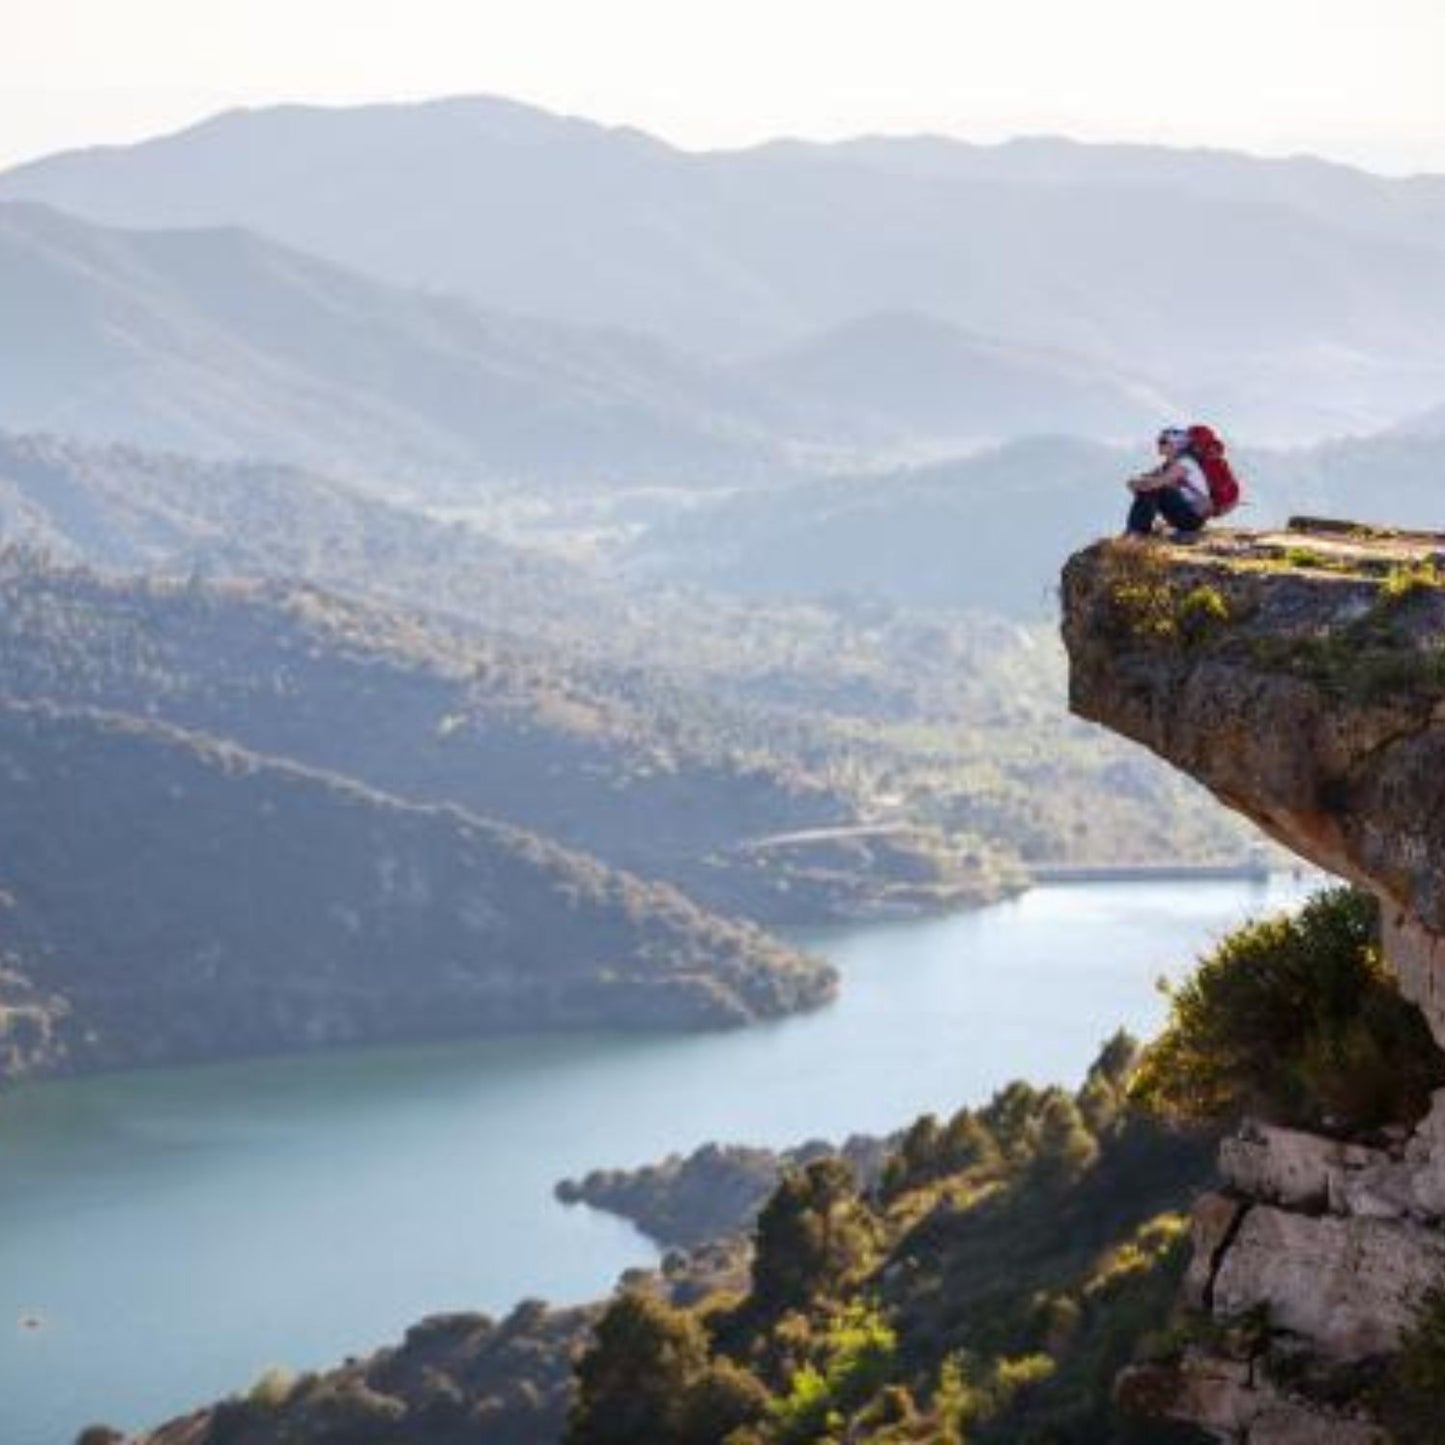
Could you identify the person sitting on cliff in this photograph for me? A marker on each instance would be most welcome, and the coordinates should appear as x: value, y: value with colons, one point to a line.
x: 1176, y: 490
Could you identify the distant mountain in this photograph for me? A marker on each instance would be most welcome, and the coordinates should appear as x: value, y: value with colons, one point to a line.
x: 171, y: 898
x: 899, y: 375
x: 984, y: 532
x: 987, y: 531
x: 1392, y: 480
x: 224, y: 344
x: 1296, y: 298
x: 128, y: 509
x: 1410, y: 209
x: 1427, y: 423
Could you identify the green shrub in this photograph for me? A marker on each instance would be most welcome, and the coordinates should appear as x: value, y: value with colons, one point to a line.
x: 1201, y: 612
x: 973, y: 1392
x: 1408, y: 578
x: 272, y: 1389
x: 632, y: 1382
x: 855, y: 1355
x: 1297, y: 1020
x: 1139, y: 599
x: 813, y: 1236
x: 1414, y: 1400
x: 724, y: 1399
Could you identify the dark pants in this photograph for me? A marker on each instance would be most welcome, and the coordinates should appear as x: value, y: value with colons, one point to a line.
x: 1169, y: 503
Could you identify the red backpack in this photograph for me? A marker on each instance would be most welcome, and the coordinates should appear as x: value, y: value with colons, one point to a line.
x: 1207, y: 449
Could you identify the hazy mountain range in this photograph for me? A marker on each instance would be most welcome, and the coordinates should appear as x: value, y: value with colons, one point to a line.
x: 1295, y: 296
x: 220, y: 342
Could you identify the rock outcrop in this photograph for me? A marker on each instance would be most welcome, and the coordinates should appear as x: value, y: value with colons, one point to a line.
x: 1301, y: 677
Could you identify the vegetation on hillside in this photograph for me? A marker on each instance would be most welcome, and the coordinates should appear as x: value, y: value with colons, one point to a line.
x: 178, y: 898
x: 1298, y: 1020
x: 1012, y: 1259
x: 987, y: 1291
x: 654, y: 744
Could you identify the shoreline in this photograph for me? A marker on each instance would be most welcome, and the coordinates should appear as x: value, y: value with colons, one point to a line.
x: 1045, y: 875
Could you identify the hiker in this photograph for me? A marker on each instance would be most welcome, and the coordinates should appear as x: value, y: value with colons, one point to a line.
x: 1192, y: 483
x: 1174, y: 490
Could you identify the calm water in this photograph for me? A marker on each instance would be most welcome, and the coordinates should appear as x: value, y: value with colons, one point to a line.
x: 175, y: 1233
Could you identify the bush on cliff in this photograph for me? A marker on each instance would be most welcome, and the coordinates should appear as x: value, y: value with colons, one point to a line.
x: 1412, y: 1400
x: 1295, y: 1019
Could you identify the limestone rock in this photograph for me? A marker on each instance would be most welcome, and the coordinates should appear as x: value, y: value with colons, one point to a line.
x: 1350, y: 1286
x: 1301, y: 677
x: 1216, y: 1218
x: 1292, y: 1167
x: 1226, y: 1399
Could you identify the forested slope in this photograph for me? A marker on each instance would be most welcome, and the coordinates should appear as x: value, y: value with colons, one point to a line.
x: 168, y: 897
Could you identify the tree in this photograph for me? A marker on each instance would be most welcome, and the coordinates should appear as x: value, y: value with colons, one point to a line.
x: 633, y: 1382
x: 917, y: 1157
x: 1106, y: 1086
x: 724, y: 1398
x: 812, y: 1235
x: 1066, y: 1148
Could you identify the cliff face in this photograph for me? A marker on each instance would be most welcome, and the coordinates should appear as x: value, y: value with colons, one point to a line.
x: 1301, y: 677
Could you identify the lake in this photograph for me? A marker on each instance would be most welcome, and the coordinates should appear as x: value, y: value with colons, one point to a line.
x: 174, y: 1233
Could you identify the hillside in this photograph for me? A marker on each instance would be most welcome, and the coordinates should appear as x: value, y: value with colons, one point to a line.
x: 1329, y: 279
x: 189, y: 900
x: 365, y: 692
x: 707, y: 749
x: 224, y: 344
x: 129, y: 509
x: 982, y: 532
x: 715, y: 1193
x: 900, y: 375
x: 1408, y: 209
x: 1012, y: 1257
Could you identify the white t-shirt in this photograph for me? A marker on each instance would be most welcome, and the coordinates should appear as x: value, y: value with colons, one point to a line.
x: 1186, y: 474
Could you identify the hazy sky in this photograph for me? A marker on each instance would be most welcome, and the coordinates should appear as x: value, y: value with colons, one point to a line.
x: 1359, y: 80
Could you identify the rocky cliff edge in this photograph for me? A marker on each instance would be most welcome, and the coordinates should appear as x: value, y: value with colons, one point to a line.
x: 1299, y: 675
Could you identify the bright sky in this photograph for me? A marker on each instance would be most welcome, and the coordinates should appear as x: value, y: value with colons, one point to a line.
x: 1357, y: 80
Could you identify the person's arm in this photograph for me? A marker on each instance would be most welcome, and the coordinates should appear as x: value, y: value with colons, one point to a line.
x: 1152, y: 481
x: 1172, y: 474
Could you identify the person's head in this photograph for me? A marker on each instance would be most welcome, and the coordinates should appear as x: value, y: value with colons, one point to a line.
x: 1173, y: 440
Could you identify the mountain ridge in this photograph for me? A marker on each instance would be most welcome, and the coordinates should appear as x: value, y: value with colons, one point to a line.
x: 222, y: 342
x: 727, y: 252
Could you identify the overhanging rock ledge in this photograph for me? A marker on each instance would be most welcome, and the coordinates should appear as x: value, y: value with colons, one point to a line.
x: 1299, y: 675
